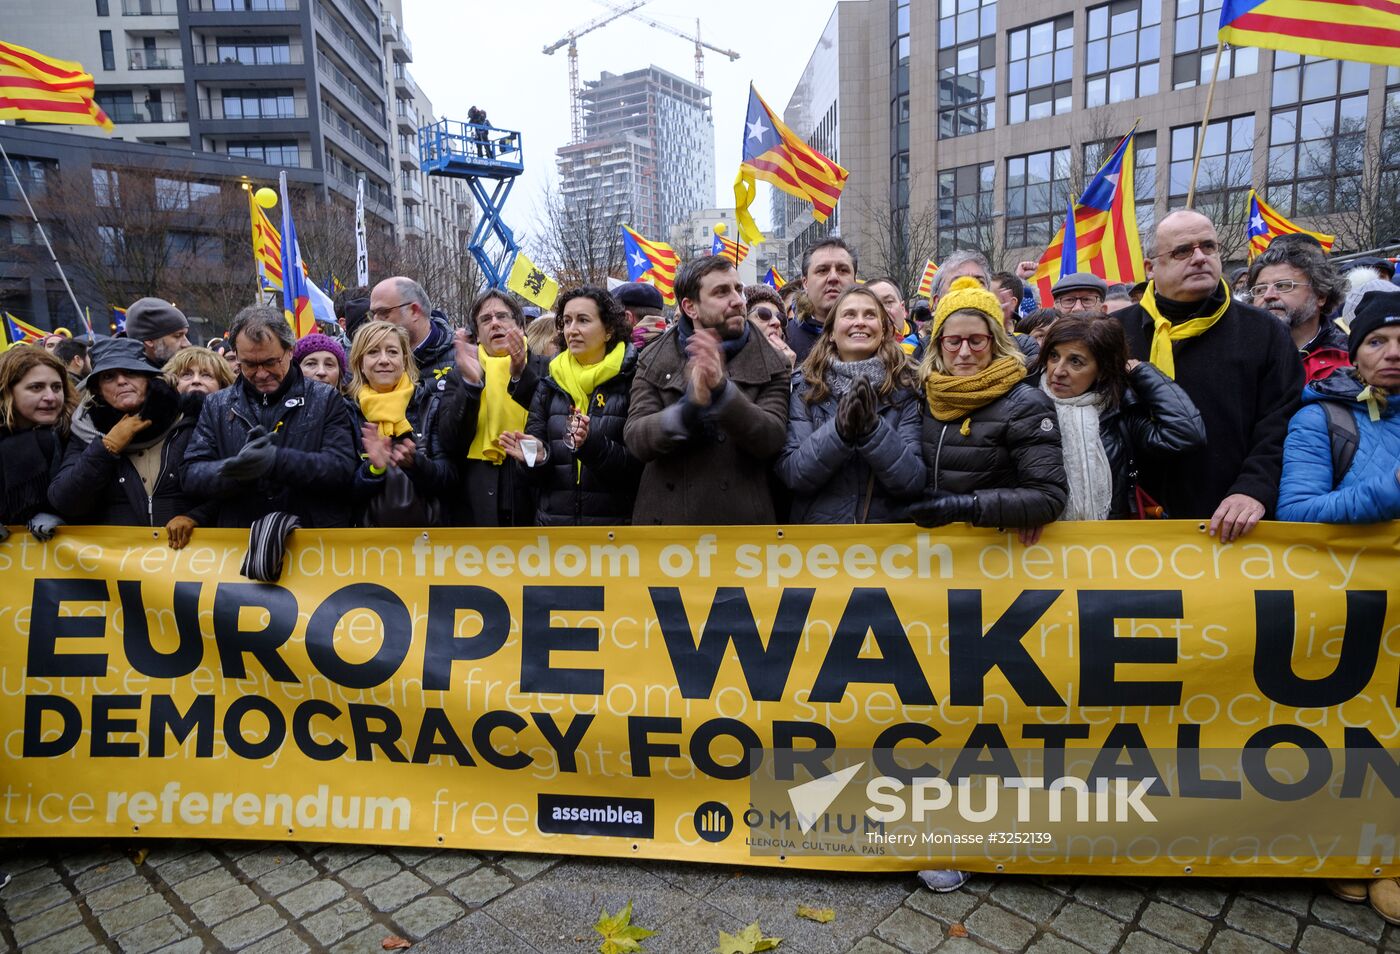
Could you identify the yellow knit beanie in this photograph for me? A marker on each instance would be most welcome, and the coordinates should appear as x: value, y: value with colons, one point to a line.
x: 966, y: 292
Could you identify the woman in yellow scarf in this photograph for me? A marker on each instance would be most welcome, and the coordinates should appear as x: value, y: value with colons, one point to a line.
x: 404, y: 474
x: 572, y: 448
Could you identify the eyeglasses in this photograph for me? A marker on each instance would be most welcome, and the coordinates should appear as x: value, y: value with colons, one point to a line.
x: 954, y: 343
x: 1070, y: 303
x: 765, y: 313
x: 490, y: 316
x: 268, y: 365
x: 1181, y: 253
x: 379, y: 314
x: 1282, y: 287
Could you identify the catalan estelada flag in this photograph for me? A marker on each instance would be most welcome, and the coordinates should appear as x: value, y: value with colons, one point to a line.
x: 654, y: 262
x: 41, y: 89
x: 267, y: 248
x: 303, y: 304
x: 775, y: 154
x: 118, y: 320
x: 1265, y: 225
x: 1103, y: 237
x: 926, y: 280
x: 22, y: 332
x: 773, y: 280
x: 1364, y: 30
x: 736, y: 252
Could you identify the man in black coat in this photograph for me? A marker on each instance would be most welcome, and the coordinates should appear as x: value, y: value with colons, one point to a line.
x: 273, y: 440
x: 1236, y: 363
x: 828, y: 268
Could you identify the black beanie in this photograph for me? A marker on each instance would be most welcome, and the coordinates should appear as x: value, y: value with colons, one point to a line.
x: 1376, y: 309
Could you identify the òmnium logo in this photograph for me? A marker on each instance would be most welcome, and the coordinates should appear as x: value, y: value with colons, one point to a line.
x: 592, y: 815
x: 714, y: 821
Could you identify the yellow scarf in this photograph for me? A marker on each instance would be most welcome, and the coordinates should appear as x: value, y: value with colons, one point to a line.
x: 1164, y: 332
x: 951, y: 397
x: 388, y: 409
x: 579, y: 381
x: 498, y: 411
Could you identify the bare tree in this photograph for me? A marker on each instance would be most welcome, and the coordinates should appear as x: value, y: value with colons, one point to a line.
x: 1359, y: 197
x: 895, y: 242
x: 1222, y: 195
x: 578, y: 239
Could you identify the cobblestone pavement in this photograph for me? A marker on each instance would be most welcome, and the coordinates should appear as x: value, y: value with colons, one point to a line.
x: 72, y: 896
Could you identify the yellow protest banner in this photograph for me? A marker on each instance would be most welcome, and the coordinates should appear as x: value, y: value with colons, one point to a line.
x: 531, y: 283
x: 1119, y: 698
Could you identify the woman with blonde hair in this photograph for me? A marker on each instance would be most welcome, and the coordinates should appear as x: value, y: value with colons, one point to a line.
x: 404, y: 474
x: 197, y: 371
x: 852, y: 450
x: 37, y: 399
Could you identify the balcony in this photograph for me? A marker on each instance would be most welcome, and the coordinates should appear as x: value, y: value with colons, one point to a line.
x: 370, y: 148
x: 236, y: 6
x: 371, y: 66
x: 133, y: 113
x: 406, y: 117
x: 412, y: 191
x: 394, y: 33
x: 170, y: 59
x: 403, y: 82
x: 348, y: 87
x: 272, y: 108
x: 211, y: 54
x: 150, y: 8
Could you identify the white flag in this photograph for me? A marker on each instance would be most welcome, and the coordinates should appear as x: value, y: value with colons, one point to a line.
x: 361, y: 252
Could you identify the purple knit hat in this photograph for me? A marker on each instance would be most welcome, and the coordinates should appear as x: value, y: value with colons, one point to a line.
x: 319, y: 342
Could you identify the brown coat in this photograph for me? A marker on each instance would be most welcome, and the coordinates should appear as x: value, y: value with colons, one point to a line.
x: 707, y: 466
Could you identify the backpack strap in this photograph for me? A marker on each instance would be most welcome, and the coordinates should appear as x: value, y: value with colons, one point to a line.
x: 1344, y: 436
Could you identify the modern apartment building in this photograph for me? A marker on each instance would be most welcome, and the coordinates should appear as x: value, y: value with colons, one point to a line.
x: 980, y: 118
x: 648, y: 152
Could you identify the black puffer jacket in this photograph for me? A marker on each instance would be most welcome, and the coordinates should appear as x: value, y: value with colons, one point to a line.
x: 434, y: 355
x: 94, y: 486
x: 433, y: 474
x: 316, y: 453
x: 1009, y: 458
x: 603, y: 490
x: 28, y: 460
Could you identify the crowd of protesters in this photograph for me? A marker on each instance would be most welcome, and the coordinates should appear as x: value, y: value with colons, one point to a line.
x: 1189, y: 396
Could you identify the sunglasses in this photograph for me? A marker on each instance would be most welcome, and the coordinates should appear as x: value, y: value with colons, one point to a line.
x: 764, y: 313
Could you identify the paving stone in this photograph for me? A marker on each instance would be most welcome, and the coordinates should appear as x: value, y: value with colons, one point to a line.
x: 396, y: 892
x: 71, y: 941
x: 117, y: 894
x: 285, y: 877
x: 153, y: 935
x: 526, y: 867
x: 247, y: 928
x: 48, y: 923
x: 187, y: 866
x: 371, y: 870
x: 283, y: 942
x: 1199, y: 898
x: 81, y: 861
x: 164, y: 852
x: 426, y: 915
x: 370, y: 939
x: 868, y: 945
x: 190, y: 945
x: 771, y: 896
x: 1000, y: 927
x: 103, y: 875
x: 335, y: 857
x: 910, y: 930
x: 1087, y: 926
x: 224, y: 905
x: 133, y: 914
x: 412, y: 856
x: 1319, y: 940
x: 51, y: 895
x: 204, y: 885
x: 1140, y: 942
x: 448, y: 865
x: 239, y: 847
x: 263, y: 860
x: 1358, y: 919
x: 337, y: 921
x: 695, y: 880
x: 1025, y: 898
x: 1233, y: 942
x: 311, y: 897
x: 946, y: 906
x: 1174, y: 924
x: 31, y: 880
x: 1050, y: 944
x: 478, y: 932
x: 480, y: 886
x: 1261, y: 920
x: 1291, y: 896
x: 1113, y: 899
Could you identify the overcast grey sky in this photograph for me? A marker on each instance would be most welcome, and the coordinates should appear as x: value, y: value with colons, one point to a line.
x: 488, y: 53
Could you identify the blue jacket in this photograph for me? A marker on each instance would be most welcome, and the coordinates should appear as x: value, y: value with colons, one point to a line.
x: 1369, y: 491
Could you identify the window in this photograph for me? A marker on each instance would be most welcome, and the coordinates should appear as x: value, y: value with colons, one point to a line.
x: 1227, y: 160
x: 112, y: 239
x: 967, y: 75
x: 1144, y: 172
x: 1038, y: 69
x: 102, y: 9
x: 15, y: 232
x: 1037, y: 194
x: 259, y: 104
x: 899, y: 105
x: 253, y: 50
x: 964, y: 207
x: 274, y: 152
x: 1317, y: 142
x: 105, y: 189
x: 1196, y: 24
x: 1123, y: 54
x: 109, y: 56
x: 33, y: 175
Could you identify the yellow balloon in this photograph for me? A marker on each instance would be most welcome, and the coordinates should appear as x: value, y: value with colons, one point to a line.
x: 266, y: 197
x: 720, y: 228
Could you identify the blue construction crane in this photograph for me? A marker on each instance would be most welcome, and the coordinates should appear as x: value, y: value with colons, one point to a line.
x: 479, y: 154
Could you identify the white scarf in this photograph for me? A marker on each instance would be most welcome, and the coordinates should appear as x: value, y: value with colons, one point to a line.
x: 1086, y: 462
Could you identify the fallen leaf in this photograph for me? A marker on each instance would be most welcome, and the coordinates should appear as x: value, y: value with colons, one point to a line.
x: 957, y: 930
x: 395, y: 943
x: 620, y: 935
x: 820, y: 915
x: 748, y: 941
x: 138, y: 855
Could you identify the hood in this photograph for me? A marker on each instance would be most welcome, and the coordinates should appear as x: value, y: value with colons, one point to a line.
x: 1341, y: 386
x: 437, y: 347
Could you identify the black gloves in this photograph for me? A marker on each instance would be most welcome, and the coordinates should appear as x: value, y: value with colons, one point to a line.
x: 254, y: 460
x: 944, y: 509
x: 856, y: 416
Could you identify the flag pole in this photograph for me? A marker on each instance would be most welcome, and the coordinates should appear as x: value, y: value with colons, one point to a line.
x: 1205, y: 121
x: 40, y: 226
x: 257, y: 245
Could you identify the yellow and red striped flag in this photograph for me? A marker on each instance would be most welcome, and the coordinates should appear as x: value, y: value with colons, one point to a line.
x: 775, y: 154
x: 725, y: 247
x: 267, y: 248
x: 1265, y: 225
x: 41, y: 89
x: 653, y: 262
x: 22, y: 332
x: 926, y: 282
x: 1364, y: 30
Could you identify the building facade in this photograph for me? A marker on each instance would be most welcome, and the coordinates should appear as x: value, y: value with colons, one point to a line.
x: 647, y: 157
x: 980, y: 118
